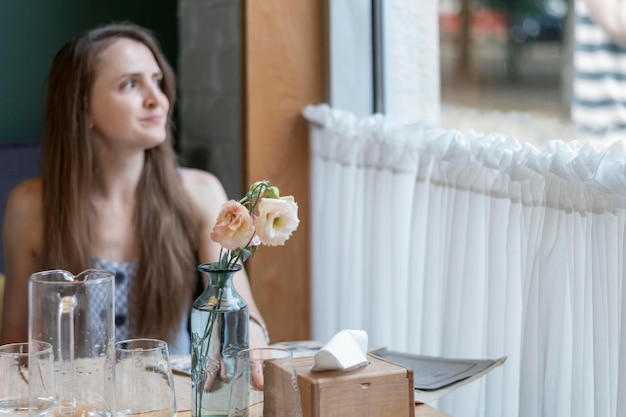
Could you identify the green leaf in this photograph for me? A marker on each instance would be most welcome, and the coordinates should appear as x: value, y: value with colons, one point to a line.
x: 245, y: 254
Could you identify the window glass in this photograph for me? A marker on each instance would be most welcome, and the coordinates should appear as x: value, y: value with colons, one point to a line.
x: 505, y: 56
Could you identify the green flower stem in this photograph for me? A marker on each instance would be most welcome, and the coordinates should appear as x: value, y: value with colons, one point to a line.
x: 208, y: 331
x: 256, y: 192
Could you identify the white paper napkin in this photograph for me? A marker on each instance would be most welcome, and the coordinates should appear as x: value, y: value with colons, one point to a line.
x: 345, y: 351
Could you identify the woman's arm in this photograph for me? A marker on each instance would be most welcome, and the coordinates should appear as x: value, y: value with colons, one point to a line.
x: 208, y: 195
x: 610, y: 15
x: 21, y: 239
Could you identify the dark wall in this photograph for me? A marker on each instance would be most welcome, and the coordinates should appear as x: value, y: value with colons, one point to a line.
x: 31, y: 31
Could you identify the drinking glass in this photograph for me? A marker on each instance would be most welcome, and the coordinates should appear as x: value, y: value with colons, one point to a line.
x: 143, y: 379
x: 265, y: 379
x: 22, y: 366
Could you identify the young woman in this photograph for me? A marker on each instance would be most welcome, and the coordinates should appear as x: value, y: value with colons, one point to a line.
x: 111, y: 194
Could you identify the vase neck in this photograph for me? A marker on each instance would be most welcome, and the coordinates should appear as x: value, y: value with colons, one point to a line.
x: 213, y: 269
x: 219, y: 289
x: 221, y: 279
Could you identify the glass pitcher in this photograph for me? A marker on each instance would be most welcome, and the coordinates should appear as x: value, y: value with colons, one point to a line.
x: 76, y: 315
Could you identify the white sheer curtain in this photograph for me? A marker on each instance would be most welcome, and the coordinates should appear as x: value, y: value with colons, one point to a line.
x: 469, y: 245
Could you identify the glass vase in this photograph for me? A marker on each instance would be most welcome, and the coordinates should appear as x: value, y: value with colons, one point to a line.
x: 219, y: 330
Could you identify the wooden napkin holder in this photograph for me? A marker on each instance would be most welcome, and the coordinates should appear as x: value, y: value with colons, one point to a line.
x: 381, y: 388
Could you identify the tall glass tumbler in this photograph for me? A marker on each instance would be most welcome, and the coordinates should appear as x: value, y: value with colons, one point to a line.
x: 143, y: 379
x: 265, y: 384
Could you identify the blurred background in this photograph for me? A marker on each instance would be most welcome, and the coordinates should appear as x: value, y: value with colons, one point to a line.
x: 506, y: 56
x: 496, y: 55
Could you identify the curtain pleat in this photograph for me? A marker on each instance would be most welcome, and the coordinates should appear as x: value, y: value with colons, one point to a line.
x: 471, y: 245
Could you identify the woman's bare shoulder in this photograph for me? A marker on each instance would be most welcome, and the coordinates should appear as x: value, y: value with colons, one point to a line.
x: 23, y: 223
x: 25, y: 197
x: 198, y: 181
x: 204, y: 189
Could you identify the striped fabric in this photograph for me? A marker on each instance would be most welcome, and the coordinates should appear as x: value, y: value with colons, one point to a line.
x: 599, y: 95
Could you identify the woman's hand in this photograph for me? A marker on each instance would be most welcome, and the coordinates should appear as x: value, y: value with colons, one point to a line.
x: 257, y: 332
x: 258, y: 338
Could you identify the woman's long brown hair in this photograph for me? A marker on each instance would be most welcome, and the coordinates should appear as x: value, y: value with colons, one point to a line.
x: 166, y: 224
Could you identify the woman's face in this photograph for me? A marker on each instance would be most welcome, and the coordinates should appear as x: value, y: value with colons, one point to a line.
x: 128, y: 110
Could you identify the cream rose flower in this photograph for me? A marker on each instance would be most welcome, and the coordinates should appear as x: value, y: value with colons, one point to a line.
x: 234, y: 226
x: 276, y: 219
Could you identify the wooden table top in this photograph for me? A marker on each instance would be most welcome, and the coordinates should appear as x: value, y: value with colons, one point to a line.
x: 421, y: 410
x: 182, y: 385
